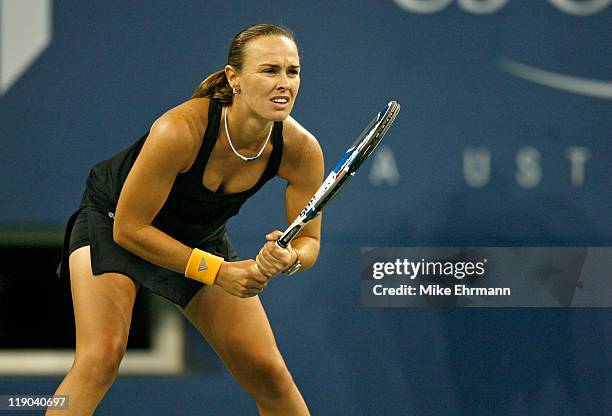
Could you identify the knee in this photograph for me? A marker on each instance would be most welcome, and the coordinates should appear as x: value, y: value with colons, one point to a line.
x: 269, y: 377
x: 279, y: 378
x: 99, y: 364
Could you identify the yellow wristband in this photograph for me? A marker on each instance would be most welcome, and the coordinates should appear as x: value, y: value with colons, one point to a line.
x: 203, y: 266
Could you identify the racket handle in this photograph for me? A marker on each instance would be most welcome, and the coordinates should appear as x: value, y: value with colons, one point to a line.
x: 288, y: 235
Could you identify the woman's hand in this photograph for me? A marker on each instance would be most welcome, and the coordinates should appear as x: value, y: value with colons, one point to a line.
x: 241, y: 278
x: 273, y: 259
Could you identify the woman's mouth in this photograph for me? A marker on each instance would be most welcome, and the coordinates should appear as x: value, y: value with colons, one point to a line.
x: 280, y: 100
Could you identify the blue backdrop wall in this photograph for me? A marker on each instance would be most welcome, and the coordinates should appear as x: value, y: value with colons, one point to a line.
x: 503, y: 139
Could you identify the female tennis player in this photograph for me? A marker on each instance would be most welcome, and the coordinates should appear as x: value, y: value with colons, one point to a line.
x: 154, y: 215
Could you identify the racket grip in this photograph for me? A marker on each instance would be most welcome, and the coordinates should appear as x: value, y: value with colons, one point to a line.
x: 288, y: 235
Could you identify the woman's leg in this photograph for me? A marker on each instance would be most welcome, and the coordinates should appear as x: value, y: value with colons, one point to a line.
x: 103, y: 312
x: 239, y: 331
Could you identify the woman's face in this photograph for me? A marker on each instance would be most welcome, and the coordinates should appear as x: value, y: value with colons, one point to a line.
x: 270, y: 77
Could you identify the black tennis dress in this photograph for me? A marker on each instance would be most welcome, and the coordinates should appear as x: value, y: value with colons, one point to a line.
x: 192, y: 214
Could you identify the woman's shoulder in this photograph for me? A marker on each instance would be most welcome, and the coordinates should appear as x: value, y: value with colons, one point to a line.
x: 189, y: 117
x: 297, y: 138
x: 300, y: 147
x: 182, y: 128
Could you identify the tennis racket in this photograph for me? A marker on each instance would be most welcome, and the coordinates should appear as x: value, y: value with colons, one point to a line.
x: 354, y: 156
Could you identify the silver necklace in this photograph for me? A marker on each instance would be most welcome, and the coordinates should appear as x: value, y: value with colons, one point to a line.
x: 229, y: 139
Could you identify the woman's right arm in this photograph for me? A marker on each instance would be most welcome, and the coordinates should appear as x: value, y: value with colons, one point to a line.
x: 164, y: 155
x: 168, y: 151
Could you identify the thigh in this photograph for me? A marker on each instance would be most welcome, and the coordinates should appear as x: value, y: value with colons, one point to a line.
x: 236, y: 328
x: 102, y: 304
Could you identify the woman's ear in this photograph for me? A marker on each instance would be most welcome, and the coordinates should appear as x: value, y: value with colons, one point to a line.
x: 232, y: 76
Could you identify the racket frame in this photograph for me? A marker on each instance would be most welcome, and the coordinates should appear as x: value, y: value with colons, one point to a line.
x: 354, y: 156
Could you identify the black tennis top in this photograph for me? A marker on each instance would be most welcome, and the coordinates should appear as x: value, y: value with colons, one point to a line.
x: 192, y: 214
x: 191, y: 211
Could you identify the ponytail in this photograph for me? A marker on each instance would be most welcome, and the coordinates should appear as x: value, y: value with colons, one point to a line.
x: 215, y: 86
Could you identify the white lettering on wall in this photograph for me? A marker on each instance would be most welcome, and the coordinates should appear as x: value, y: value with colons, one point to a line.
x: 384, y: 168
x: 528, y: 170
x: 577, y: 156
x: 482, y: 7
x: 476, y: 166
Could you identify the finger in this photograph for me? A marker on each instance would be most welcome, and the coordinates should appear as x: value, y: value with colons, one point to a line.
x: 249, y: 282
x: 251, y: 292
x: 278, y: 254
x: 274, y: 264
x: 245, y: 295
x: 245, y: 291
x: 277, y: 251
x: 266, y: 253
x: 266, y: 256
x: 274, y: 235
x: 256, y: 289
x: 259, y: 274
x: 254, y: 286
x: 266, y: 267
x: 260, y: 265
x: 280, y: 259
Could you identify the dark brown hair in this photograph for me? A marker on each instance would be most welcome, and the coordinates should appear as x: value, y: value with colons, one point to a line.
x: 216, y: 84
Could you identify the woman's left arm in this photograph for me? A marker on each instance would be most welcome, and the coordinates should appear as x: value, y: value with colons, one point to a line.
x: 302, y: 168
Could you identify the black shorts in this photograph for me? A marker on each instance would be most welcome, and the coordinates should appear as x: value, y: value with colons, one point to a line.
x: 90, y: 226
x: 79, y: 237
